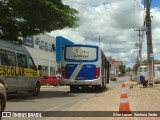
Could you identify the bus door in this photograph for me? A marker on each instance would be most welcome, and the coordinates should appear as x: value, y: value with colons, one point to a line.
x: 22, y: 79
x: 11, y: 83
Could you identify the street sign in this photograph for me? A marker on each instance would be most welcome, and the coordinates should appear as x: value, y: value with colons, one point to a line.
x: 151, y: 56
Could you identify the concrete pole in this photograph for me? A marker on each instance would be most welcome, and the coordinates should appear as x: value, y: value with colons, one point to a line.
x: 149, y: 39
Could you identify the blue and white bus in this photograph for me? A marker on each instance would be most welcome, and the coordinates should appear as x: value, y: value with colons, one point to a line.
x: 84, y: 65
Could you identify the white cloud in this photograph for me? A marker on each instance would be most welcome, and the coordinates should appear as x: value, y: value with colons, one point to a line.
x: 114, y: 21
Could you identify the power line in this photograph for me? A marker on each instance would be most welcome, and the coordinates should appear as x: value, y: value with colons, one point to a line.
x: 139, y: 4
x: 115, y: 9
x: 142, y: 30
x: 140, y: 43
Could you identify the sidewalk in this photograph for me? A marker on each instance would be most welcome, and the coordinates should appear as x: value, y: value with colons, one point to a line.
x: 140, y: 99
x: 143, y: 99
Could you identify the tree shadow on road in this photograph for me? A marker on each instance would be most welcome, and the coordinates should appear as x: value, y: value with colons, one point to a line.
x: 43, y: 95
x: 52, y: 93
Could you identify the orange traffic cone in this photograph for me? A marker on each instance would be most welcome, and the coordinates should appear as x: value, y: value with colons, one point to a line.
x: 124, y: 104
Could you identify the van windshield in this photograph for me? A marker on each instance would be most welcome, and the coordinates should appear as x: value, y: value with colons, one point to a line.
x: 143, y: 69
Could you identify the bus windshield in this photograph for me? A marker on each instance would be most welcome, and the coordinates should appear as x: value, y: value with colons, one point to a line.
x: 81, y: 53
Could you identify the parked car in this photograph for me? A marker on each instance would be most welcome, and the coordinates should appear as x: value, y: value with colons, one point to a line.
x: 113, y: 79
x: 3, y: 97
x: 50, y: 80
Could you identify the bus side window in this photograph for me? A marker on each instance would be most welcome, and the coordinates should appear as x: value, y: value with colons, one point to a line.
x: 11, y: 58
x: 3, y: 57
x: 31, y: 63
x: 22, y: 60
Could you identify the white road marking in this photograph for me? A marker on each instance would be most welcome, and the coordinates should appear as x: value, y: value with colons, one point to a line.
x: 62, y: 104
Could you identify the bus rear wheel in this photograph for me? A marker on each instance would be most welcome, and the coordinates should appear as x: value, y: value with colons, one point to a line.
x: 74, y: 88
x: 104, y: 84
x: 102, y: 87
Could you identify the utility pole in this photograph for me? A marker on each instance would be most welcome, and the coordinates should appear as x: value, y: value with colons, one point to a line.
x: 99, y: 41
x: 149, y: 40
x: 140, y: 45
x: 110, y: 49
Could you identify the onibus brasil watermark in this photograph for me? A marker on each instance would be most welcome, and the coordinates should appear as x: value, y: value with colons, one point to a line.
x: 21, y: 114
x: 80, y: 114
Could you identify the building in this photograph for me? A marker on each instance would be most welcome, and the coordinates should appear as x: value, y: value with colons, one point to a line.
x: 46, y: 51
x: 115, y: 66
x: 60, y: 43
x: 42, y: 49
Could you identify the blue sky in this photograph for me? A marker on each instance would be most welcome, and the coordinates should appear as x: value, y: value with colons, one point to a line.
x: 115, y: 24
x: 154, y: 3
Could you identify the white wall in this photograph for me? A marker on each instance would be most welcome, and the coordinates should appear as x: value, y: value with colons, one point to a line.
x: 44, y: 57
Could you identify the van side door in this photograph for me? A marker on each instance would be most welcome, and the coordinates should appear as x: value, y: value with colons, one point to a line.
x: 22, y: 78
x: 157, y: 72
x: 8, y: 70
x: 33, y: 75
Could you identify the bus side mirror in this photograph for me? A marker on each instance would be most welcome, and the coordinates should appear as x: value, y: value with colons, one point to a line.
x: 39, y: 67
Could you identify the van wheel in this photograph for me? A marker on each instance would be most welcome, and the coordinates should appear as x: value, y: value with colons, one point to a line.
x: 2, y: 104
x: 36, y: 90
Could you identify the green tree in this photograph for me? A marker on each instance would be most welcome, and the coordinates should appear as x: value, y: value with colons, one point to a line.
x: 128, y: 69
x: 135, y: 67
x: 20, y: 18
x: 122, y: 69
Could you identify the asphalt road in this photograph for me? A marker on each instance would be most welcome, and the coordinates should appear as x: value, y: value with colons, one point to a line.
x: 52, y: 98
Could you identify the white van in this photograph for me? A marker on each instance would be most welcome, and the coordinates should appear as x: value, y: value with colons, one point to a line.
x: 3, y: 97
x: 143, y: 69
x: 18, y: 72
